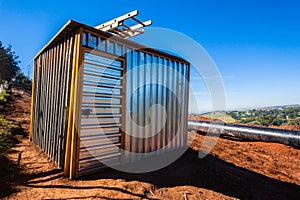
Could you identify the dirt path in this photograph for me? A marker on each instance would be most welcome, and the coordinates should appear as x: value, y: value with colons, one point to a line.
x: 233, y: 170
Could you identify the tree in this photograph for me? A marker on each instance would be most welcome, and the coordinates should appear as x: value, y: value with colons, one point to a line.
x: 9, y: 63
x: 22, y: 78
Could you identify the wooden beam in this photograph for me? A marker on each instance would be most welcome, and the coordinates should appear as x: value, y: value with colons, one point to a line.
x: 32, y: 99
x: 69, y: 143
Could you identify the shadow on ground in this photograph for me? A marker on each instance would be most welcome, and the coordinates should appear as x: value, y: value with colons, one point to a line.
x: 209, y: 173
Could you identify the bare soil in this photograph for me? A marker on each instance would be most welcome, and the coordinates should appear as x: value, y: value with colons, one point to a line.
x: 232, y: 170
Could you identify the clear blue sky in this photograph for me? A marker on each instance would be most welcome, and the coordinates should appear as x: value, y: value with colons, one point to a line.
x: 255, y: 44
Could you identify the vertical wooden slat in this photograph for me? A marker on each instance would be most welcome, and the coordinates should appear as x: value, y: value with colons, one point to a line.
x: 79, y: 101
x: 74, y: 115
x: 32, y: 100
x: 34, y: 104
x: 68, y: 166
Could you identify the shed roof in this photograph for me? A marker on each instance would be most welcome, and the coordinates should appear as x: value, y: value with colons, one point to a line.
x: 72, y: 25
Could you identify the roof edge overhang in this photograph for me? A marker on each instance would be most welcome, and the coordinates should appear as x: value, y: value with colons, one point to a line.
x: 72, y: 25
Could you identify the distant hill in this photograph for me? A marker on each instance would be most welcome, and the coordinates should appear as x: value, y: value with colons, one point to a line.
x: 286, y: 115
x: 279, y: 107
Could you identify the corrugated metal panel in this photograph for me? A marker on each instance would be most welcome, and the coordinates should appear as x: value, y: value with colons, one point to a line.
x: 51, y: 98
x: 153, y: 81
x: 101, y: 113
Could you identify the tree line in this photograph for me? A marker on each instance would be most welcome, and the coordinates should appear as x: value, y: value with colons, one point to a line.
x: 9, y: 66
x: 266, y: 117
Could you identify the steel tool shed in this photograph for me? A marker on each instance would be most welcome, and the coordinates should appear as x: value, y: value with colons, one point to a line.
x: 97, y: 99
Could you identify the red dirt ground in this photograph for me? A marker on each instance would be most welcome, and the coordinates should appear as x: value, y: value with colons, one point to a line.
x: 232, y: 170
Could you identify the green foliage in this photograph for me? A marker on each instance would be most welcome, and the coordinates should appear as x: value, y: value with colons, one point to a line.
x: 266, y: 117
x: 21, y: 78
x: 5, y: 143
x: 7, y: 128
x: 4, y: 95
x: 295, y: 121
x: 9, y: 63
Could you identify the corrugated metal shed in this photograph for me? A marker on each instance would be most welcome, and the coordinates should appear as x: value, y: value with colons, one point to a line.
x: 99, y: 100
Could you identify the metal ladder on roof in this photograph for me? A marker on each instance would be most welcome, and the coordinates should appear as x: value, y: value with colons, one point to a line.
x: 118, y: 27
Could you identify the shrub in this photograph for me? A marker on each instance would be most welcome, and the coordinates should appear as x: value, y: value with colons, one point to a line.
x: 4, y: 95
x: 6, y: 134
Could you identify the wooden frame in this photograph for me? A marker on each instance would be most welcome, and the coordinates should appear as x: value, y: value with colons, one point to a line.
x: 73, y: 138
x: 123, y: 110
x: 70, y: 165
x: 32, y: 100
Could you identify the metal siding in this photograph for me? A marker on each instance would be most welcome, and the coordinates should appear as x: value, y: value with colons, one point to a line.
x: 52, y: 98
x: 171, y: 74
x: 101, y: 113
x: 51, y: 89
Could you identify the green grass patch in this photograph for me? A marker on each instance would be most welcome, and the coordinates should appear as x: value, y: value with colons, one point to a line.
x: 7, y: 130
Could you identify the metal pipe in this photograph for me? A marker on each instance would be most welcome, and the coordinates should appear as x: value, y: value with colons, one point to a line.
x: 288, y: 137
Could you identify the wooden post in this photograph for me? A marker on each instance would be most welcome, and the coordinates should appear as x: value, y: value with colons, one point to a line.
x: 68, y: 167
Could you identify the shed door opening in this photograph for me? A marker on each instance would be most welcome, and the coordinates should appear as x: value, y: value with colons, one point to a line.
x: 101, y: 114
